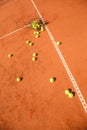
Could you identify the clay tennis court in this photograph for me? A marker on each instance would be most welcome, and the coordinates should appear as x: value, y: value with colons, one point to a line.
x: 34, y: 103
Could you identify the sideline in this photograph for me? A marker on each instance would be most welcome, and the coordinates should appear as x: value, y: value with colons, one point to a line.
x: 8, y: 34
x: 71, y: 77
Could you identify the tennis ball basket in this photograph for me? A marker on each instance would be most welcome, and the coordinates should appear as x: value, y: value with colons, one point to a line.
x: 37, y: 24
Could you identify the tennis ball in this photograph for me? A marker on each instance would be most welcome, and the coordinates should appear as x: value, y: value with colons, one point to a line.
x: 35, y: 27
x: 18, y: 79
x: 34, y: 54
x: 52, y: 79
x: 67, y: 91
x: 34, y: 58
x: 42, y: 29
x: 35, y: 32
x: 30, y: 43
x: 71, y: 95
x: 58, y: 43
x: 37, y: 36
x: 33, y: 24
x: 27, y: 42
x: 10, y: 55
x: 38, y: 25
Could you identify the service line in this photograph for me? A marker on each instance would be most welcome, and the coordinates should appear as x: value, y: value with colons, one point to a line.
x: 71, y: 77
x: 8, y: 34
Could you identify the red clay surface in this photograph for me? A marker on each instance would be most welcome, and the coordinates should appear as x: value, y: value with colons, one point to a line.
x: 35, y: 103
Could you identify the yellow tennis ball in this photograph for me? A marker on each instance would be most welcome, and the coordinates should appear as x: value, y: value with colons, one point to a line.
x: 34, y: 58
x: 34, y: 54
x: 58, y: 43
x: 35, y: 28
x: 27, y: 42
x: 18, y: 79
x: 30, y: 44
x: 37, y: 36
x: 35, y: 32
x: 71, y: 95
x: 10, y: 55
x: 52, y: 79
x: 42, y: 29
x: 67, y: 91
x: 38, y: 25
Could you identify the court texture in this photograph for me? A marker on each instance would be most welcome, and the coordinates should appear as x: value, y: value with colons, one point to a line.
x: 43, y: 72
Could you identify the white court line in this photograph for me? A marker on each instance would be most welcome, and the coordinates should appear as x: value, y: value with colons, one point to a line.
x: 71, y: 77
x: 8, y: 34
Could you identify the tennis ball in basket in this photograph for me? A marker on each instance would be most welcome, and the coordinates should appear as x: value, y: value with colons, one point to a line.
x: 34, y: 58
x: 52, y: 79
x: 10, y: 55
x: 35, y: 28
x: 67, y: 91
x: 71, y: 95
x: 18, y: 79
x: 38, y: 25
